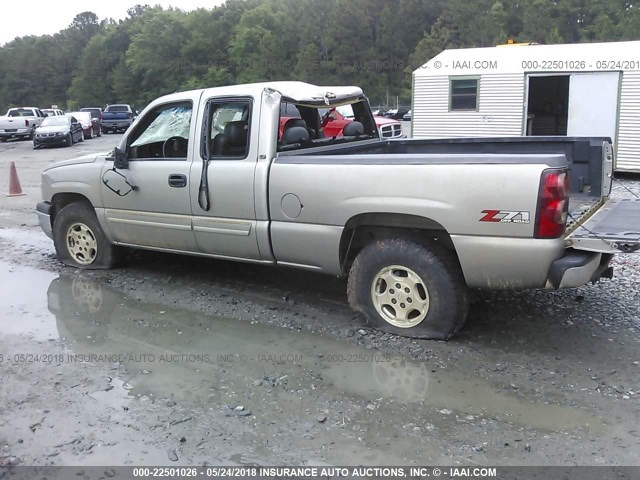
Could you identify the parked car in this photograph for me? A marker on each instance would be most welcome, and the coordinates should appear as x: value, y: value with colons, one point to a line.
x: 52, y: 112
x: 96, y: 113
x: 117, y: 117
x: 90, y: 125
x: 58, y: 130
x: 413, y: 223
x: 378, y: 113
x: 20, y: 122
x: 407, y: 116
x: 395, y: 113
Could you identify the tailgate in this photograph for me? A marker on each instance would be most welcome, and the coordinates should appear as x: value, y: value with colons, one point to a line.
x: 614, y: 228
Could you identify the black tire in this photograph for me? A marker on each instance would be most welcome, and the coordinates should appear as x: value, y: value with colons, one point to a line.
x: 441, y: 293
x: 3, y: 140
x: 99, y: 132
x: 69, y: 140
x: 97, y: 253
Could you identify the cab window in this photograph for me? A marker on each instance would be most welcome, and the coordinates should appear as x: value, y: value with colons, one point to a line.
x: 228, y: 128
x: 162, y: 133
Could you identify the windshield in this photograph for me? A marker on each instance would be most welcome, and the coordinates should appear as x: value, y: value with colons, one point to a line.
x: 231, y: 112
x: 21, y: 112
x: 117, y: 108
x: 55, y: 121
x: 345, y: 111
x: 169, y: 122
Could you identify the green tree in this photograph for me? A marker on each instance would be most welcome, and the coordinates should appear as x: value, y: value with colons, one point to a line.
x: 264, y: 45
x: 372, y: 43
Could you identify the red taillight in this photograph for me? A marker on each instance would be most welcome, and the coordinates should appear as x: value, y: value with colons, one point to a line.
x: 129, y: 115
x: 551, y: 217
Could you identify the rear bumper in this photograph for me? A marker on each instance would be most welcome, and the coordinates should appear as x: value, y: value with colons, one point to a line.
x: 578, y: 268
x: 43, y: 210
x: 19, y: 132
x: 119, y: 125
x: 500, y: 263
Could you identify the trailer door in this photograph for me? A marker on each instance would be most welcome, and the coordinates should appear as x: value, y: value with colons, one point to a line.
x: 593, y: 104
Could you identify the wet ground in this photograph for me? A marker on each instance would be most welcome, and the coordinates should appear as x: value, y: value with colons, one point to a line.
x: 176, y: 360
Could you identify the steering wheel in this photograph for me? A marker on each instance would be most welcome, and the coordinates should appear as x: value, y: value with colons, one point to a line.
x: 178, y: 144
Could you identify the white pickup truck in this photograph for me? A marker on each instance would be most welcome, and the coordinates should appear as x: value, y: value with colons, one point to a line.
x: 20, y: 122
x: 413, y: 223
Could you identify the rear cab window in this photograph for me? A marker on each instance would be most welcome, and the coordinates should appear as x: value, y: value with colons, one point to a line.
x: 324, y: 125
x: 118, y: 108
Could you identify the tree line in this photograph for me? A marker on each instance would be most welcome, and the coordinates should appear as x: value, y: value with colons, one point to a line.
x: 375, y: 44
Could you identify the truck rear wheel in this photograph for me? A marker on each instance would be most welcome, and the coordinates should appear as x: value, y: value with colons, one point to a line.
x: 79, y: 239
x: 409, y: 288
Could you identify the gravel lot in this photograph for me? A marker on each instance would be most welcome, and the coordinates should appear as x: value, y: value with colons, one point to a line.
x: 180, y: 360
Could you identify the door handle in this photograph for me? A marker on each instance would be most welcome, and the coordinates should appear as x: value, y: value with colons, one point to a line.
x: 177, y: 180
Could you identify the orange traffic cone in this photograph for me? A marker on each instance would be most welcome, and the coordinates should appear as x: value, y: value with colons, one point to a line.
x: 15, y: 189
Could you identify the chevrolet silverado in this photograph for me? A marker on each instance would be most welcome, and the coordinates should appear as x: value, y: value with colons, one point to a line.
x: 412, y: 223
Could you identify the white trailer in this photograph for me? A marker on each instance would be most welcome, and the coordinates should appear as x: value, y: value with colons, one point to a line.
x: 585, y: 89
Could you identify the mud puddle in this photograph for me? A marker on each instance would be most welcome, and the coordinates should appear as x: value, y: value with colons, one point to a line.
x: 250, y: 368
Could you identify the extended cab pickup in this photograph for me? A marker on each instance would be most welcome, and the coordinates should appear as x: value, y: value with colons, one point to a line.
x: 413, y: 223
x: 117, y: 117
x: 20, y: 122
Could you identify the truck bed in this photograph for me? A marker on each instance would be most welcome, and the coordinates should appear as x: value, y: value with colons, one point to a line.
x: 584, y: 154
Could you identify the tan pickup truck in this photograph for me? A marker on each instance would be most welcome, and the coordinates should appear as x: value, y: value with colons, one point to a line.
x: 413, y: 223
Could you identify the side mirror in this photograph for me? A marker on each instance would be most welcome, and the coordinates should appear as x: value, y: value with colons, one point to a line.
x: 120, y: 159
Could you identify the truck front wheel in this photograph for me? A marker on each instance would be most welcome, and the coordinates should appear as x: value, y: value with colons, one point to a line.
x: 409, y: 287
x: 79, y: 239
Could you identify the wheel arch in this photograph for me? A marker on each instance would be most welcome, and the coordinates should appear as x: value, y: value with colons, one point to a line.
x: 363, y: 228
x: 62, y: 199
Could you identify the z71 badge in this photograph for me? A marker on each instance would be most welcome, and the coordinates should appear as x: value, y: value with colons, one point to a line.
x: 505, y: 216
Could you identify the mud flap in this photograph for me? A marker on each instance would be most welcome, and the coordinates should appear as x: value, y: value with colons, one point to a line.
x: 614, y: 228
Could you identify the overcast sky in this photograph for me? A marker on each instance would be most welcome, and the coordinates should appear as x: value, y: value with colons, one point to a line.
x: 45, y: 17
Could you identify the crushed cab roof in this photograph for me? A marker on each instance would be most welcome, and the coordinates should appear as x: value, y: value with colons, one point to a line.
x: 292, y: 91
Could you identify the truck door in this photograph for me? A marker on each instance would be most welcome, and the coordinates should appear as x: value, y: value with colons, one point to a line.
x: 148, y: 203
x: 593, y: 105
x: 222, y: 195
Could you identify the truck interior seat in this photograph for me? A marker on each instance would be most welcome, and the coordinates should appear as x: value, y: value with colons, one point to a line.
x: 295, y: 135
x: 353, y: 129
x: 232, y: 142
x: 299, y: 122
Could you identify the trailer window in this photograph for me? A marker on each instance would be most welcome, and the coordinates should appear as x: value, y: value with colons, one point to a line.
x: 463, y: 94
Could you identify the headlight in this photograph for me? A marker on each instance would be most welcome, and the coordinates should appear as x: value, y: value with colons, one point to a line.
x: 59, y: 134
